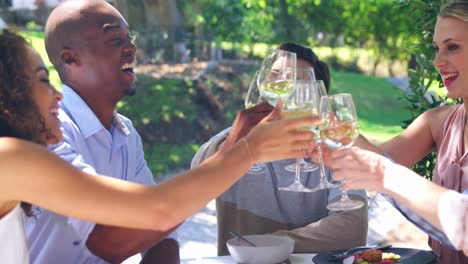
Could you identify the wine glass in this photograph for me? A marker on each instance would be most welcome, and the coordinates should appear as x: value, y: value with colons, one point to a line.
x: 339, y: 130
x: 324, y: 182
x: 303, y: 102
x: 277, y: 75
x: 307, y: 74
x: 252, y: 98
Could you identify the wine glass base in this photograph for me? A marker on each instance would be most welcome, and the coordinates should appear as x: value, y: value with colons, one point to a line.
x: 345, y: 204
x: 256, y: 169
x: 325, y: 185
x: 295, y: 187
x: 305, y: 167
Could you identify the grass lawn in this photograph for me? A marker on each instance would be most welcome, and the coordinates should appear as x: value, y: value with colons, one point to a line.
x: 379, y: 104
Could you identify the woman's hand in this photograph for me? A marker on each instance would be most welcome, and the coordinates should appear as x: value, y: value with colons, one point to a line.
x: 361, y: 169
x: 275, y: 139
x: 245, y: 121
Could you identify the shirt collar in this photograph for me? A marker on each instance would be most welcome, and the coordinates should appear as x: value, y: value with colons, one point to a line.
x: 119, y: 124
x: 84, y: 117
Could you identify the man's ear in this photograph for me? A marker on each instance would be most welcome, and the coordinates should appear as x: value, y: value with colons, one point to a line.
x: 69, y: 57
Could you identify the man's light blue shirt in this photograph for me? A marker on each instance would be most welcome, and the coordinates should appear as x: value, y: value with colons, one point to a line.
x: 88, y: 145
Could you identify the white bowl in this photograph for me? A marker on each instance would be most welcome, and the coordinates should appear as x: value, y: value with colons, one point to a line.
x: 269, y: 249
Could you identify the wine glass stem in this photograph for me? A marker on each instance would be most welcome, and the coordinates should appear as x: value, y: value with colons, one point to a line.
x: 321, y: 165
x: 344, y: 195
x: 297, y: 176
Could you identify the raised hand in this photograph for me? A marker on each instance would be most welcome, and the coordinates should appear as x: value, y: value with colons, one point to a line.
x: 362, y: 169
x: 245, y: 121
x: 326, y: 153
x: 274, y: 138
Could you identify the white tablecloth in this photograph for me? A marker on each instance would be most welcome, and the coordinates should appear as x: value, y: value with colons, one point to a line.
x: 294, y: 259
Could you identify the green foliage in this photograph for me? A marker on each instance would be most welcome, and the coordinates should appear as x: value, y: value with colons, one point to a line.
x: 423, y: 76
x: 164, y: 113
x: 235, y: 21
x: 159, y: 100
x: 376, y: 25
x: 165, y: 158
x: 33, y: 26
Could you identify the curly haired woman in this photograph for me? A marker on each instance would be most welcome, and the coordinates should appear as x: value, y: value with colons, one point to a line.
x: 30, y: 174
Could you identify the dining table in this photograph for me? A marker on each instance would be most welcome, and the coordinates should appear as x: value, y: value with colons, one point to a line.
x: 408, y: 256
x: 296, y: 258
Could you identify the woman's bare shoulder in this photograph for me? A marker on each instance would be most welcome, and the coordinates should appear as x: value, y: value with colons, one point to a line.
x: 441, y: 110
x: 435, y: 118
x: 12, y: 146
x: 437, y: 115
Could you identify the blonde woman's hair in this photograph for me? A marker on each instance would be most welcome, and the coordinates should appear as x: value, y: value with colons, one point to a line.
x: 457, y: 9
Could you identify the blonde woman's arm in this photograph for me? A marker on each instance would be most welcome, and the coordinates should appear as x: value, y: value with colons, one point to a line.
x: 443, y: 208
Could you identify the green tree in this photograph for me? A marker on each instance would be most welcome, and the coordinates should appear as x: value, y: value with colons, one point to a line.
x: 390, y: 31
x: 423, y: 75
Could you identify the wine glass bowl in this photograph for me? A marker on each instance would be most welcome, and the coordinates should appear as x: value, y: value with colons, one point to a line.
x: 277, y: 75
x: 253, y: 97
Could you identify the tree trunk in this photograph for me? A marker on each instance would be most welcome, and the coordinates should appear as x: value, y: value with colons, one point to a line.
x: 163, y: 13
x: 166, y: 18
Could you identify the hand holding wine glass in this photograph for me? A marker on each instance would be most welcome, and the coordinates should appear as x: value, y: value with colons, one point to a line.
x: 303, y: 102
x: 277, y: 138
x: 340, y: 130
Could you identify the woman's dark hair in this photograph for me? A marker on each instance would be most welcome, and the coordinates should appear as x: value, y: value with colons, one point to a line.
x: 322, y: 72
x: 19, y: 114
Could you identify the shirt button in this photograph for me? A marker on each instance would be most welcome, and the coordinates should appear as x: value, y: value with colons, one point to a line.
x: 76, y: 242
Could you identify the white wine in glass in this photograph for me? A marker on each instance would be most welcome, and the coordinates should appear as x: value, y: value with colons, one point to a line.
x: 341, y: 135
x: 277, y: 89
x: 277, y: 75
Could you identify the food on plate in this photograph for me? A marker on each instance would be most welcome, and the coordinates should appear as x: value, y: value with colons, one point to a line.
x: 372, y: 255
x: 376, y: 256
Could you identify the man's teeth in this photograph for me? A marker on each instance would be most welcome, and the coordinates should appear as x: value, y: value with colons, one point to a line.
x: 127, y: 66
x: 54, y: 111
x: 446, y: 76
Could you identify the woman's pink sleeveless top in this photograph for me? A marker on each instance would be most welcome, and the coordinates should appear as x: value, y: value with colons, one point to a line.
x: 451, y: 171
